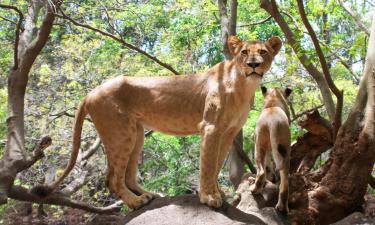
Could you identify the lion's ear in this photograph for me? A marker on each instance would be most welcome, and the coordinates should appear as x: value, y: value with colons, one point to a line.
x: 275, y: 43
x: 264, y: 90
x: 234, y: 43
x: 288, y: 91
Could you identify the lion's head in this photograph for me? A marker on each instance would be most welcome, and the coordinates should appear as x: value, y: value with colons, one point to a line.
x: 254, y: 57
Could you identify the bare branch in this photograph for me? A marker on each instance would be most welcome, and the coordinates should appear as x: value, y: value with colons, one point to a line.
x: 306, y: 111
x: 224, y: 25
x: 93, y: 148
x: 118, y: 39
x: 11, y: 21
x: 356, y: 19
x: 326, y: 73
x: 371, y: 3
x: 233, y: 17
x: 345, y: 64
x: 257, y: 23
x: 18, y: 28
x: 66, y: 113
x: 22, y: 194
x: 38, y: 152
x: 239, y: 149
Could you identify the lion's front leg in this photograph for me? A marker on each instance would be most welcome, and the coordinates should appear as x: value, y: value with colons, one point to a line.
x: 209, y: 193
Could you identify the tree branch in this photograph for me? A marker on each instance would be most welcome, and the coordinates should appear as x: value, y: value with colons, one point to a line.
x: 224, y: 25
x: 306, y: 111
x: 271, y: 7
x: 371, y: 181
x: 38, y: 152
x: 18, y: 28
x: 233, y: 17
x: 323, y: 63
x: 239, y: 149
x: 41, y: 39
x: 356, y: 19
x: 22, y: 194
x: 257, y: 23
x: 93, y: 148
x: 118, y: 39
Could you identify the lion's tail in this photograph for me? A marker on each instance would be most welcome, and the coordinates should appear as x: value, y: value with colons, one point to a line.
x: 44, y: 190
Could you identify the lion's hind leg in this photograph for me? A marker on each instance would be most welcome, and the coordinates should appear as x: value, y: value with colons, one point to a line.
x: 131, y: 180
x: 281, y: 155
x: 262, y: 156
x: 119, y: 138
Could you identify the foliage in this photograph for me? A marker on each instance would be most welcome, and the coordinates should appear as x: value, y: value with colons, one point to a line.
x: 184, y: 34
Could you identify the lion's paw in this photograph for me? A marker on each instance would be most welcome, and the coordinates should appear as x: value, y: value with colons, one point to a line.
x: 140, y: 201
x: 151, y: 195
x: 281, y: 207
x: 212, y: 200
x: 255, y: 190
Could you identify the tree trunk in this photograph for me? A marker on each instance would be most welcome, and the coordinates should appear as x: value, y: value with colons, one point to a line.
x: 344, y: 183
x: 29, y: 46
x: 228, y: 28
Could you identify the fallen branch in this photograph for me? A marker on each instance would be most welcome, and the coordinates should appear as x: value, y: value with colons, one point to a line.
x: 23, y: 194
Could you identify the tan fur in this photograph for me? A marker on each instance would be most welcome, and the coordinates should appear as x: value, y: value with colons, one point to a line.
x: 272, y: 134
x: 214, y: 104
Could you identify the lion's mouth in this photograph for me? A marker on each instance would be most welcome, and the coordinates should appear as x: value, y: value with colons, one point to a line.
x: 255, y: 74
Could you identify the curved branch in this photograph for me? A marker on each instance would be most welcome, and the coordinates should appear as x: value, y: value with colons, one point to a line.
x: 326, y: 73
x: 18, y: 28
x: 118, y: 39
x: 257, y: 23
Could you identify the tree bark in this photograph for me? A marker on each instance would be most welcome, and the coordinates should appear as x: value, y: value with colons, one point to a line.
x: 29, y: 46
x: 342, y: 187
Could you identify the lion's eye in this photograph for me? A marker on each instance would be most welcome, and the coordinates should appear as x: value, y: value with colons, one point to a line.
x: 244, y: 52
x: 263, y: 52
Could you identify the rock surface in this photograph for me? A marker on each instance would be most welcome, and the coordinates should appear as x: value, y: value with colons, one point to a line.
x: 187, y: 210
x: 356, y: 218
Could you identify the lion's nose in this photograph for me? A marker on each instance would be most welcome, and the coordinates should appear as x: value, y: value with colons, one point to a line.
x: 253, y: 65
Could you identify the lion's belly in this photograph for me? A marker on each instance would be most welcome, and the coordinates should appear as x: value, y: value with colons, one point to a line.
x: 181, y: 125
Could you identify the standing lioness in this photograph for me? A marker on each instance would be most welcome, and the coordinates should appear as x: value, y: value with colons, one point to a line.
x: 272, y: 134
x: 214, y: 104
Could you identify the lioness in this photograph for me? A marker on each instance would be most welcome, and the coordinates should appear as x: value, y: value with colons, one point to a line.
x: 214, y: 104
x: 272, y: 133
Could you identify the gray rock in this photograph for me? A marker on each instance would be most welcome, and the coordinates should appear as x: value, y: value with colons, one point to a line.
x: 356, y: 218
x: 187, y: 210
